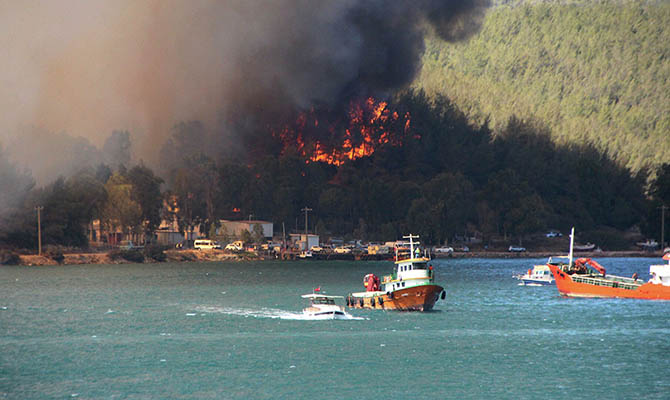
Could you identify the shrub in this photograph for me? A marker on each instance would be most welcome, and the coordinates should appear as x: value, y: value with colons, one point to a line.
x: 155, y: 252
x: 128, y: 255
x: 55, y: 254
x: 9, y: 257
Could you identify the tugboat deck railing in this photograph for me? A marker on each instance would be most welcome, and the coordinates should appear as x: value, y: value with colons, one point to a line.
x: 608, y: 281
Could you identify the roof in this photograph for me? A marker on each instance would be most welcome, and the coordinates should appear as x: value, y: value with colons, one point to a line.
x: 320, y: 296
x: 246, y: 221
x: 413, y: 260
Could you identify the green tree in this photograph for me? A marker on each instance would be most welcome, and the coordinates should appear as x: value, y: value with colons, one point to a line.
x: 246, y: 237
x: 146, y: 191
x: 257, y: 235
x: 121, y: 210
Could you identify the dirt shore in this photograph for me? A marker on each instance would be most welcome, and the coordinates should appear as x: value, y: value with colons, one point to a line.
x: 104, y: 258
x: 219, y: 255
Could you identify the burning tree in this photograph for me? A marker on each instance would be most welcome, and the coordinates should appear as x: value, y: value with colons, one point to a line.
x: 335, y: 138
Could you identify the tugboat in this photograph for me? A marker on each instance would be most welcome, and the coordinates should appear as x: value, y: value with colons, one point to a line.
x: 587, y: 278
x: 410, y: 288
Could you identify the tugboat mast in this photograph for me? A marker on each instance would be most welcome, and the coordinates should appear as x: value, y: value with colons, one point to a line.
x: 411, y: 243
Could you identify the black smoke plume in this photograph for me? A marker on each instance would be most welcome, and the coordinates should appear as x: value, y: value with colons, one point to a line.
x: 87, y: 68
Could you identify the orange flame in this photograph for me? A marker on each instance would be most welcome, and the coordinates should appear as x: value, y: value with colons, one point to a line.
x: 370, y: 125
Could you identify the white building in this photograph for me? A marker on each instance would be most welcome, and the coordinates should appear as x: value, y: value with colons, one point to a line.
x: 237, y: 227
x: 304, y: 242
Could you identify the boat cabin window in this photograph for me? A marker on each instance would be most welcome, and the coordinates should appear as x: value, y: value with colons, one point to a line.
x: 322, y: 300
x: 421, y: 265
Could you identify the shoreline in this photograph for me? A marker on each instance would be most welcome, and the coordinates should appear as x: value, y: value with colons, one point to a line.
x: 189, y: 255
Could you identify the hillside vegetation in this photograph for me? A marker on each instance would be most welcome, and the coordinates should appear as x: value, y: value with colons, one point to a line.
x: 595, y: 73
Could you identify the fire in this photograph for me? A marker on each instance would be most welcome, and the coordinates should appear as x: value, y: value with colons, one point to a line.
x: 370, y: 125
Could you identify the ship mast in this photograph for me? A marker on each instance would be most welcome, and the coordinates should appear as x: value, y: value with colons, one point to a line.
x: 572, y: 242
x: 411, y: 244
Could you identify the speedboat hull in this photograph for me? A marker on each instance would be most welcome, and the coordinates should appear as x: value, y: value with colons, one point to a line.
x: 326, y: 315
x: 415, y: 298
x: 536, y: 282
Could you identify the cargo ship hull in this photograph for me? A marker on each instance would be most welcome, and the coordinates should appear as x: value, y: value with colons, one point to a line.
x: 577, y: 285
x: 415, y: 298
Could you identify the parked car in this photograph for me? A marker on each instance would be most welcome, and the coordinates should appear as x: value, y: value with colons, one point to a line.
x: 516, y: 249
x: 205, y: 244
x: 552, y: 234
x: 444, y: 250
x: 235, y: 246
x: 316, y: 249
x: 129, y: 245
x: 342, y: 250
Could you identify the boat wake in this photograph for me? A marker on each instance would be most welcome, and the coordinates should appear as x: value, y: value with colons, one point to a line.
x: 272, y: 313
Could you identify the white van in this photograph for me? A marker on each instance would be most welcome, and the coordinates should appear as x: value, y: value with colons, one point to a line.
x: 205, y: 244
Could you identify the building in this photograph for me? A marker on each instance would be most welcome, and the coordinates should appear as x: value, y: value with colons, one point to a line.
x: 237, y: 227
x: 303, y: 242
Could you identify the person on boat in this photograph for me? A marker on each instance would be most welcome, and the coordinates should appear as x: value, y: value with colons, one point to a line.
x: 635, y: 276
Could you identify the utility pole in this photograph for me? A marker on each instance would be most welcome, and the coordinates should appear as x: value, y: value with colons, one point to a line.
x: 39, y: 230
x: 663, y: 208
x: 306, y: 210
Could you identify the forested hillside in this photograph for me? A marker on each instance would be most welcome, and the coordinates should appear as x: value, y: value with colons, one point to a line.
x: 594, y: 73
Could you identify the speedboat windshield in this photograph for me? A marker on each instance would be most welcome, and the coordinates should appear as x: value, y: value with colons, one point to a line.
x: 323, y: 300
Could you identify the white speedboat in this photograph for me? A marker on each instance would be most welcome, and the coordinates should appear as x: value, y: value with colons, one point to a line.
x: 322, y: 306
x: 540, y: 275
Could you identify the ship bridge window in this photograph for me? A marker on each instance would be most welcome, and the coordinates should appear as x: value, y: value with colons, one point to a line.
x: 422, y: 265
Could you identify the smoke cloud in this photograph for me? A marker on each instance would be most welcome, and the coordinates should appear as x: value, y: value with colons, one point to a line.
x: 76, y: 70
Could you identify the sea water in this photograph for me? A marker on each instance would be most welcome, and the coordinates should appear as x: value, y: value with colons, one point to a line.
x: 236, y: 331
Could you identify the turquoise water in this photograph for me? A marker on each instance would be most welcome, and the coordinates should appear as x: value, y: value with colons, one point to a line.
x: 233, y: 330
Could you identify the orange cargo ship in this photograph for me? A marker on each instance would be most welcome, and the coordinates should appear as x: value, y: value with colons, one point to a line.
x: 587, y: 278
x: 410, y: 288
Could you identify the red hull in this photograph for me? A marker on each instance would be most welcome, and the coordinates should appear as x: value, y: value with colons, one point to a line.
x: 416, y: 298
x: 568, y: 287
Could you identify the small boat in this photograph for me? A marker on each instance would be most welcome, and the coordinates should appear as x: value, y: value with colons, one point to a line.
x: 584, y: 247
x: 322, y: 306
x: 411, y: 287
x: 648, y: 245
x: 540, y: 275
x: 587, y: 278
